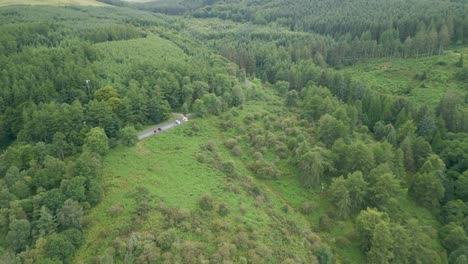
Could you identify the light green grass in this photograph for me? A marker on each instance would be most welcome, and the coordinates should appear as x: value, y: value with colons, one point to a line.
x: 396, y: 76
x: 51, y: 2
x: 152, y: 50
x: 166, y: 165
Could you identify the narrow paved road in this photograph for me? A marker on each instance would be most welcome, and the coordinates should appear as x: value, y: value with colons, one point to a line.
x: 164, y: 126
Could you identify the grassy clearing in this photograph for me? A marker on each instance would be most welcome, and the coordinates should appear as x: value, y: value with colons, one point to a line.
x: 51, y: 2
x: 397, y: 76
x: 132, y: 53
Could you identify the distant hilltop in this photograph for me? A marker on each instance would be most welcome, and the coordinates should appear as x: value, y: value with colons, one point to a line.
x: 51, y: 2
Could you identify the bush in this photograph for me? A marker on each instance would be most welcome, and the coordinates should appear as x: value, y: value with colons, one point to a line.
x: 421, y: 76
x: 193, y: 129
x: 59, y: 248
x: 230, y: 143
x: 236, y: 151
x: 74, y: 236
x: 307, y: 208
x: 325, y: 223
x: 115, y: 210
x: 206, y: 202
x: 211, y: 146
x: 166, y: 239
x: 223, y: 210
x: 229, y: 167
x: 242, y: 240
x: 128, y: 136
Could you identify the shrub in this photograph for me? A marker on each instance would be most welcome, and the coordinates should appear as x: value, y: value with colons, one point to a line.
x: 211, y: 146
x: 206, y: 202
x: 236, y: 151
x: 220, y: 225
x: 193, y: 129
x: 115, y: 210
x: 242, y: 240
x: 307, y: 208
x: 231, y: 188
x: 325, y: 222
x: 230, y: 143
x: 264, y: 169
x: 258, y: 156
x: 128, y: 136
x: 175, y: 216
x: 229, y: 167
x: 166, y: 239
x: 223, y: 210
x: 120, y: 247
x: 74, y: 236
x: 248, y: 119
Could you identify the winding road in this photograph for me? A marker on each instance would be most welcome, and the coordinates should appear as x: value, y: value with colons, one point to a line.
x: 164, y: 126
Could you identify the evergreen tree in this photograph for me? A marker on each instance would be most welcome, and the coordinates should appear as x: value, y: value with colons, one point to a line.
x: 381, y: 249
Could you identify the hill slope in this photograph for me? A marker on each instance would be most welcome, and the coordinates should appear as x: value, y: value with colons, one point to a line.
x: 248, y: 221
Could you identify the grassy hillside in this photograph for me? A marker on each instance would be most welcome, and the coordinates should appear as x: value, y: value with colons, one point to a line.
x: 423, y: 80
x: 260, y: 225
x: 51, y: 2
x: 214, y: 156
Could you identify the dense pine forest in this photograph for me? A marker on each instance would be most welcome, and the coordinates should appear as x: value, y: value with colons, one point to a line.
x: 323, y: 132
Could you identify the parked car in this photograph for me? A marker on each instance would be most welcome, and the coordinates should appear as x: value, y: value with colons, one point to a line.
x: 177, y: 122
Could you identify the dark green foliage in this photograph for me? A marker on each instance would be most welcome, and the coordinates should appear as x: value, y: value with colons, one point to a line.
x: 59, y: 248
x: 384, y: 189
x: 166, y: 239
x: 313, y: 164
x: 75, y: 236
x: 19, y: 236
x: 349, y: 194
x: 128, y: 136
x: 331, y: 129
x: 206, y: 203
x: 143, y: 204
x: 94, y: 191
x: 382, y: 243
x: 74, y: 188
x: 451, y: 109
x: 325, y: 255
x: 453, y: 236
x: 47, y: 222
x: 223, y: 210
x: 427, y: 189
x: 70, y: 215
x: 366, y: 222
